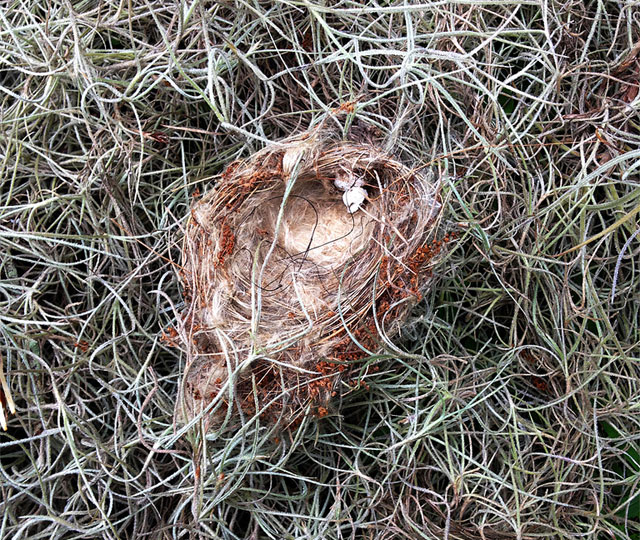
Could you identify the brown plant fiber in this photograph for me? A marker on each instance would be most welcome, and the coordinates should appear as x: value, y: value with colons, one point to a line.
x: 287, y: 286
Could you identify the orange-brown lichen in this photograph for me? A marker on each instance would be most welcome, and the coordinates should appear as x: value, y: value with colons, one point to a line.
x: 226, y: 244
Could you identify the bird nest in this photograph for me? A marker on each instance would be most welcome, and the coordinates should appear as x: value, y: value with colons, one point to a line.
x: 303, y: 260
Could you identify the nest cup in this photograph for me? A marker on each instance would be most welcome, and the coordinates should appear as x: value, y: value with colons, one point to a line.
x: 303, y: 260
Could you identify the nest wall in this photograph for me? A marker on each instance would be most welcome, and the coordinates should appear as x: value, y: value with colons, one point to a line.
x: 304, y: 258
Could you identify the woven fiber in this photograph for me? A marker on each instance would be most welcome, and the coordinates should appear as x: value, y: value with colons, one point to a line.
x: 303, y: 260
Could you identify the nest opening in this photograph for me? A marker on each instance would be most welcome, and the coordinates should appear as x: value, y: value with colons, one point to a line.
x: 319, y: 228
x: 290, y: 265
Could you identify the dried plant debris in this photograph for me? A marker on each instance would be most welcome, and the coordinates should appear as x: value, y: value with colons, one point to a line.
x: 513, y: 410
x: 303, y: 259
x: 5, y: 398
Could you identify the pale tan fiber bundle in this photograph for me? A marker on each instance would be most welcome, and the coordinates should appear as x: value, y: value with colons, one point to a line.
x: 303, y: 259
